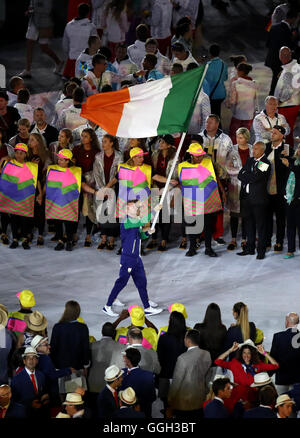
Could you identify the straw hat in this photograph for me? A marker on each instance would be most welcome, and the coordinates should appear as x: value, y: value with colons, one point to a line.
x: 249, y: 343
x: 36, y: 321
x: 137, y: 315
x: 73, y: 399
x: 3, y: 317
x: 283, y: 398
x: 112, y: 373
x: 29, y: 350
x: 261, y: 379
x: 26, y: 298
x: 128, y: 396
x: 37, y: 340
x: 62, y: 415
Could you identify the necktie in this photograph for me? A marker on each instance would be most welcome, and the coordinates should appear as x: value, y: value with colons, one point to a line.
x: 33, y: 382
x: 2, y: 412
x: 116, y: 398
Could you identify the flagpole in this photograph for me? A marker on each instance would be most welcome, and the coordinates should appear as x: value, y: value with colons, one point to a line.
x: 159, y: 206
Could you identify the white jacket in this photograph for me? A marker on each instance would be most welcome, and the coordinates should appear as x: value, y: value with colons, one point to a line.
x: 185, y: 62
x: 136, y: 52
x: 76, y: 36
x: 25, y: 110
x: 262, y: 126
x: 116, y: 29
x: 201, y: 111
x: 70, y: 118
x: 287, y: 89
x: 243, y: 98
x: 84, y: 59
x: 161, y: 19
x: 219, y: 146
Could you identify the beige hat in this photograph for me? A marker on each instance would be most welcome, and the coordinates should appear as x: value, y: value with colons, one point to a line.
x: 112, y: 373
x: 62, y: 415
x: 261, y: 379
x: 128, y: 396
x: 283, y: 398
x: 73, y: 398
x: 36, y: 321
x: 37, y: 340
x: 248, y: 342
x: 3, y: 317
x: 29, y: 350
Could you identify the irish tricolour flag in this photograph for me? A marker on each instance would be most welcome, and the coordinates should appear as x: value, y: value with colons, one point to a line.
x: 158, y: 107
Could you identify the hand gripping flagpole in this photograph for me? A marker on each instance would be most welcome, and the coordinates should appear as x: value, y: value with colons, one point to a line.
x: 159, y: 206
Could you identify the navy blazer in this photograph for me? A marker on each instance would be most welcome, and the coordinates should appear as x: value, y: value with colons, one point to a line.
x: 294, y: 393
x: 106, y: 404
x: 142, y: 382
x: 234, y: 334
x: 52, y: 375
x: 287, y: 356
x: 22, y: 387
x: 15, y: 410
x: 260, y: 412
x: 70, y: 345
x: 128, y: 413
x: 215, y: 409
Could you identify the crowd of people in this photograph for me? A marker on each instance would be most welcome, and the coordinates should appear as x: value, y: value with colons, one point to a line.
x: 207, y: 371
x: 58, y: 167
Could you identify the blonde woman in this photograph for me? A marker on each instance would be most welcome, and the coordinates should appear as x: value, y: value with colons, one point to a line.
x: 242, y: 329
x: 23, y: 133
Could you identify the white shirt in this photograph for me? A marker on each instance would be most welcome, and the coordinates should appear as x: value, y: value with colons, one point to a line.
x: 25, y: 110
x: 70, y: 118
x: 191, y: 348
x: 32, y: 372
x: 136, y: 52
x: 185, y: 62
x: 218, y: 398
x: 76, y: 35
x: 161, y: 19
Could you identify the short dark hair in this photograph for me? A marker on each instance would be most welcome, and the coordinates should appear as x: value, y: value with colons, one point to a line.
x: 76, y: 81
x: 92, y: 39
x: 244, y: 67
x: 133, y: 355
x: 142, y: 32
x: 23, y: 95
x: 177, y: 67
x: 194, y: 336
x: 135, y: 333
x: 214, y: 116
x: 83, y: 10
x: 3, y: 95
x: 191, y: 66
x: 128, y: 83
x: 267, y: 395
x: 78, y: 95
x: 108, y: 330
x: 214, y: 49
x: 197, y: 138
x: 98, y: 59
x: 106, y: 52
x: 106, y: 88
x: 14, y: 81
x: 151, y: 58
x: 219, y: 385
x: 70, y: 87
x: 151, y: 41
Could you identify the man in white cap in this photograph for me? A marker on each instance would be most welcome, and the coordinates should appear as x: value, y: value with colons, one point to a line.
x: 284, y: 405
x: 108, y: 402
x: 46, y: 366
x: 29, y: 386
x: 128, y: 402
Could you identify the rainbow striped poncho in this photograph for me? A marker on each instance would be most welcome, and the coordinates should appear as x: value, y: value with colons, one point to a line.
x: 62, y: 192
x: 199, y: 188
x: 17, y: 188
x: 134, y: 183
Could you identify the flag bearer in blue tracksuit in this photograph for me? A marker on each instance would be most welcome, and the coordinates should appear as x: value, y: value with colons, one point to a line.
x: 131, y: 263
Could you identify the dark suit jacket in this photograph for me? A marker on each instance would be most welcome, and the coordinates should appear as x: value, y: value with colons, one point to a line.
x: 287, y: 356
x: 234, y: 334
x: 128, y: 413
x: 215, y: 409
x: 282, y: 172
x: 294, y: 393
x: 15, y: 410
x: 279, y: 35
x: 168, y: 350
x: 50, y: 134
x: 52, y: 375
x: 142, y: 382
x: 257, y: 180
x: 22, y: 387
x: 106, y: 404
x: 70, y: 345
x: 259, y: 412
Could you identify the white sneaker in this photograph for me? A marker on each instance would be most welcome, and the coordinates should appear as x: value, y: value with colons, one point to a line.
x: 153, y: 304
x: 25, y: 74
x: 107, y: 310
x: 117, y: 302
x: 151, y: 311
